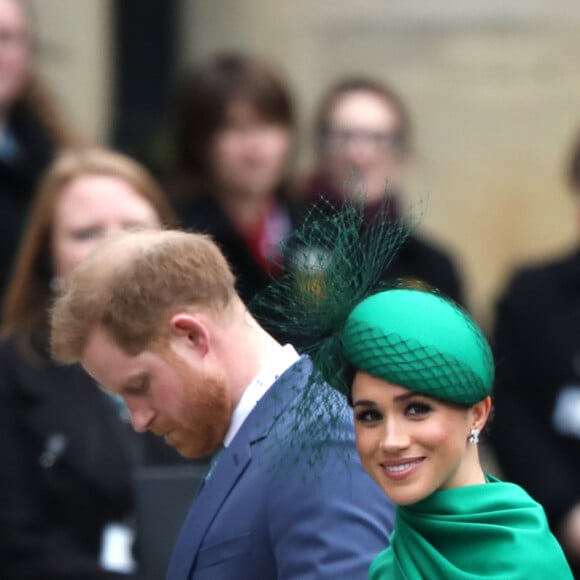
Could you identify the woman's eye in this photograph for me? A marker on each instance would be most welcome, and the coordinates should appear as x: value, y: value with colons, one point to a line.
x: 87, y: 233
x: 417, y: 409
x: 132, y: 226
x: 368, y: 416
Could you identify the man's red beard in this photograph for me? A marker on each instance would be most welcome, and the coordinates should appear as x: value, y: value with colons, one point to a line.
x: 205, y: 411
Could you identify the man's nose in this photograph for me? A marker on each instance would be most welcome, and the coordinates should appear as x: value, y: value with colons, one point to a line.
x: 141, y: 416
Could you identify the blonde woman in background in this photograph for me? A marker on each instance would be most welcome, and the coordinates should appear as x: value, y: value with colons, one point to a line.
x: 66, y: 449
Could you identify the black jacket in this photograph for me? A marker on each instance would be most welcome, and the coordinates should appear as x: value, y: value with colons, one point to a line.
x: 19, y: 178
x: 418, y: 259
x: 421, y: 260
x: 66, y: 460
x: 536, y: 430
x: 206, y: 216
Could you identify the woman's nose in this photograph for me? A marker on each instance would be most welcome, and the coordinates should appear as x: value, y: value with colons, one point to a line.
x: 395, y: 438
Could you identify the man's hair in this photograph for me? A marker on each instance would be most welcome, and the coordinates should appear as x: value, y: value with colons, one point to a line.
x: 28, y: 295
x: 132, y: 283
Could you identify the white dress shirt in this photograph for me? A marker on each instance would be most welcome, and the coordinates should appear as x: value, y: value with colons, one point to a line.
x: 279, y: 364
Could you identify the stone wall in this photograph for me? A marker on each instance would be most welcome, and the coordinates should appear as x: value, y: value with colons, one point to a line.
x: 494, y: 88
x: 74, y: 54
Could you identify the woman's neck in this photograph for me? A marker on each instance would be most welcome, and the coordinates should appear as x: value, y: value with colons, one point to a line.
x: 246, y: 211
x: 470, y: 472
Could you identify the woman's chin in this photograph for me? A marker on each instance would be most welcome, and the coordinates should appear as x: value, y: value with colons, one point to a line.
x: 405, y: 495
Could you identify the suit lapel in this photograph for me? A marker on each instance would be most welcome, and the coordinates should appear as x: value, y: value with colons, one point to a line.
x: 232, y: 463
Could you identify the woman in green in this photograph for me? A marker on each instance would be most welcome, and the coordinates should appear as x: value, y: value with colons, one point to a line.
x: 419, y: 374
x: 423, y: 375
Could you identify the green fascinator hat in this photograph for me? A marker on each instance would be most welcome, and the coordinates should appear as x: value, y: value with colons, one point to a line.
x: 338, y: 303
x: 422, y: 341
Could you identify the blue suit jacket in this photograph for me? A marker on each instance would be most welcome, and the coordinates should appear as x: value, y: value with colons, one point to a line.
x: 279, y: 507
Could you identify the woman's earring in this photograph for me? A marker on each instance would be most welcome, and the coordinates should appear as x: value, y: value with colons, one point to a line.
x: 474, y: 436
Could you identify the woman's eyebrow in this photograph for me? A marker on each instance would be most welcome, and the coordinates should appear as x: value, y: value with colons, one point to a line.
x: 364, y: 403
x: 404, y: 396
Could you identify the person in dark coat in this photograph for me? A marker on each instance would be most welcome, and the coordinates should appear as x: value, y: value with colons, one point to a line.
x: 31, y: 129
x: 67, y: 450
x: 536, y: 430
x: 364, y: 140
x: 234, y: 127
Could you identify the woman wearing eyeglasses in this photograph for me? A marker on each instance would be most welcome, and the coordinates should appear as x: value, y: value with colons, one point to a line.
x: 364, y: 140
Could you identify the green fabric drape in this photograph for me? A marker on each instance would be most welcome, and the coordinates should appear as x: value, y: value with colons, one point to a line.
x: 493, y: 530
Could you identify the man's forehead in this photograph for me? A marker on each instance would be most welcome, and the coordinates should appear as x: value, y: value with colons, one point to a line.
x: 106, y: 361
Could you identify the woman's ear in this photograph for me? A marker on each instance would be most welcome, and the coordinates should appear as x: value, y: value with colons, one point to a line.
x: 189, y: 329
x: 480, y: 413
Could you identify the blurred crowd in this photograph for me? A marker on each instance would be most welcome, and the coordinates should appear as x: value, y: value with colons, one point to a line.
x: 67, y: 450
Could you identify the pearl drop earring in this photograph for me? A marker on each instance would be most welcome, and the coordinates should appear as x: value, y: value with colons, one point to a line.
x: 474, y: 436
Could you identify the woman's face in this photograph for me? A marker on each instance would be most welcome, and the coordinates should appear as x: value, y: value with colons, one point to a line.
x: 14, y: 52
x: 248, y: 154
x: 363, y: 137
x: 91, y: 208
x: 412, y: 445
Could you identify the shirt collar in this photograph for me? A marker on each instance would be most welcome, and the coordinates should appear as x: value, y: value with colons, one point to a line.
x: 279, y: 364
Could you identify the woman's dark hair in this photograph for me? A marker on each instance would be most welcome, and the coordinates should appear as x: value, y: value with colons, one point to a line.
x: 350, y: 373
x: 204, y: 93
x: 362, y: 84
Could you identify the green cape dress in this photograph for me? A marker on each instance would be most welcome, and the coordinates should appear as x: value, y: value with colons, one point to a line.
x: 493, y: 530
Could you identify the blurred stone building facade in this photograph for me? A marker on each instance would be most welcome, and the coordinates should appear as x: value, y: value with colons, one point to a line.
x: 494, y: 88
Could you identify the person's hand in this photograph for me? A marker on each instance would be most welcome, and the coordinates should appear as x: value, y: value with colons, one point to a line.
x: 570, y: 533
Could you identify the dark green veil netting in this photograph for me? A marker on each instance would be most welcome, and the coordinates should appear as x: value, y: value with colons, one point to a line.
x: 333, y: 261
x: 334, y: 304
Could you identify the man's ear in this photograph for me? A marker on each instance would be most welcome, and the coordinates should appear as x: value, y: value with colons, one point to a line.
x: 192, y: 330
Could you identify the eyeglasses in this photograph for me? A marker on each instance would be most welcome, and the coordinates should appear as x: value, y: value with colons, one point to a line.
x: 387, y: 141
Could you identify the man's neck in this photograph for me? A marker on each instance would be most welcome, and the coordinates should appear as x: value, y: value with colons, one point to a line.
x: 247, y: 351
